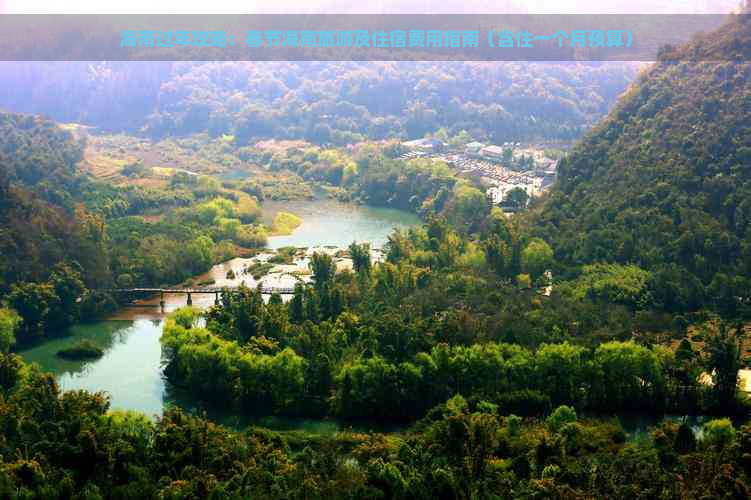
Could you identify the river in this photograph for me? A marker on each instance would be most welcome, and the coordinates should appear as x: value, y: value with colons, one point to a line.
x: 130, y: 370
x: 329, y: 222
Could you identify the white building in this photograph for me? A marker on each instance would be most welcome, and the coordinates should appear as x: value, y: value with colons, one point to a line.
x: 530, y: 185
x: 426, y: 145
x: 473, y: 148
x: 495, y: 195
x: 492, y: 152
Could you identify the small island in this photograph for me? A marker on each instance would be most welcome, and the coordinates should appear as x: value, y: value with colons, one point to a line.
x: 83, y: 350
x: 285, y: 223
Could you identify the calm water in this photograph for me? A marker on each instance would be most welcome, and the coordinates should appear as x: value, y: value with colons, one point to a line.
x: 130, y: 370
x: 325, y: 222
x: 328, y: 222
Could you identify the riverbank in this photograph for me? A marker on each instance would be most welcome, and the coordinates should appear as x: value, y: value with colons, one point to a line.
x: 326, y: 226
x: 130, y: 370
x: 273, y: 269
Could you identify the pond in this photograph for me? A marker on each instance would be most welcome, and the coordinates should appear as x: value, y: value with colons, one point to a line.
x: 130, y: 369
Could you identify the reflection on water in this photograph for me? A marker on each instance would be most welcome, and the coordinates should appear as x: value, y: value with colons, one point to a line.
x: 329, y: 222
x: 639, y: 425
x: 131, y: 373
x: 130, y: 370
x: 240, y: 420
x: 326, y: 222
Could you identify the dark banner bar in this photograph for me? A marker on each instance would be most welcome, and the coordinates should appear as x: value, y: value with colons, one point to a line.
x: 349, y: 37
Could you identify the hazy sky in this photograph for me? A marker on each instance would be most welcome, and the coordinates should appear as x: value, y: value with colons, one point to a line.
x: 375, y: 6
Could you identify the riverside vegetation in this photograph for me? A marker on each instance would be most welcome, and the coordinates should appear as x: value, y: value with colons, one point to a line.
x: 503, y: 344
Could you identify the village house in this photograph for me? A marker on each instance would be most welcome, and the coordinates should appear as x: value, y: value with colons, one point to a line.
x: 473, y: 148
x: 424, y: 145
x: 492, y: 152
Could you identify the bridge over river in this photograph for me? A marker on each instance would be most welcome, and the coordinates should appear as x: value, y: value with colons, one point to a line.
x: 216, y: 291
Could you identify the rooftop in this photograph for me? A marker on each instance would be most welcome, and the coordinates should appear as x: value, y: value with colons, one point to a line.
x: 493, y: 150
x: 419, y: 143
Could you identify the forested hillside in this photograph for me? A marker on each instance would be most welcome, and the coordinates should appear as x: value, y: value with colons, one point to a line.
x: 40, y: 224
x: 35, y: 151
x: 79, y: 449
x: 54, y: 216
x: 665, y: 180
x: 337, y: 103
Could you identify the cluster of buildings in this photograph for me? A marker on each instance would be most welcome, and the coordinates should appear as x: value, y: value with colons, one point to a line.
x: 532, y: 186
x: 424, y: 146
x: 504, y: 167
x: 510, y: 152
x: 490, y: 152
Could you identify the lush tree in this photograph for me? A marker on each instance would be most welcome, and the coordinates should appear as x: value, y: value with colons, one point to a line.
x: 561, y: 416
x: 323, y: 267
x: 9, y: 321
x: 297, y: 305
x: 69, y: 289
x: 32, y: 301
x: 561, y: 371
x: 614, y: 283
x: 360, y: 255
x: 517, y: 198
x: 718, y: 433
x: 626, y: 375
x: 536, y: 258
x: 723, y: 360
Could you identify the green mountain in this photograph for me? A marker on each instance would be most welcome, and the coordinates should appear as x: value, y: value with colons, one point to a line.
x: 665, y: 180
x: 40, y: 223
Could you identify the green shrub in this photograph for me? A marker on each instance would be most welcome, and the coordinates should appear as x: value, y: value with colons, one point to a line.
x: 525, y: 402
x: 718, y: 433
x: 284, y: 223
x: 561, y: 416
x: 85, y: 349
